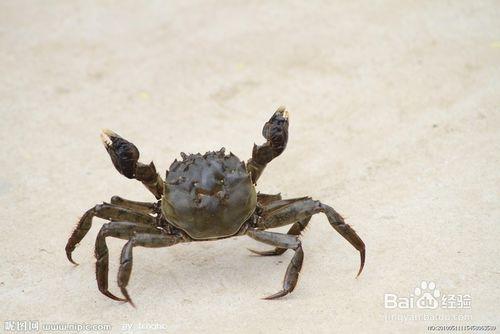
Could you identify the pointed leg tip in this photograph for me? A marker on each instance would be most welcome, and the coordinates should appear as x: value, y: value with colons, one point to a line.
x: 112, y: 296
x: 127, y: 297
x: 253, y: 251
x: 264, y: 253
x: 276, y: 295
x: 362, y: 255
x: 70, y: 259
x: 359, y: 273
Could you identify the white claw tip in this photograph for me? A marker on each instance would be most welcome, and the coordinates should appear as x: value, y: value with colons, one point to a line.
x: 105, y: 137
x: 282, y: 110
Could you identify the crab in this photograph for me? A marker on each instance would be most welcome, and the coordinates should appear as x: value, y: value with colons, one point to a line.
x: 204, y: 197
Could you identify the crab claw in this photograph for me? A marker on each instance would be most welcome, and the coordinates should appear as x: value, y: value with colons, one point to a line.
x: 123, y: 153
x: 276, y: 131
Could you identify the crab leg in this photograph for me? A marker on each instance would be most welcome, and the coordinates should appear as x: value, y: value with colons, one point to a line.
x: 266, y: 199
x: 296, y: 229
x: 105, y: 211
x: 125, y: 156
x: 288, y: 242
x: 151, y: 240
x: 275, y: 132
x: 143, y: 207
x: 285, y: 212
x: 122, y: 230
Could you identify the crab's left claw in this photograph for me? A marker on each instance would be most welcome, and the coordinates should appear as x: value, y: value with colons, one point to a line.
x: 123, y: 153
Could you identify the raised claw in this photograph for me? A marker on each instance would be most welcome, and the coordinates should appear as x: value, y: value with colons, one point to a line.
x: 123, y: 153
x: 276, y: 131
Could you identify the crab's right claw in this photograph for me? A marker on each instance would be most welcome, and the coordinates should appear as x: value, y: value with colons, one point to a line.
x: 123, y: 153
x: 276, y: 131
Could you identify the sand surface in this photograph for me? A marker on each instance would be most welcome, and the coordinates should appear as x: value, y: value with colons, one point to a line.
x: 395, y: 122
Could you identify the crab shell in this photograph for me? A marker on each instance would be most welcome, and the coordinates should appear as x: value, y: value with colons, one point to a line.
x: 208, y: 196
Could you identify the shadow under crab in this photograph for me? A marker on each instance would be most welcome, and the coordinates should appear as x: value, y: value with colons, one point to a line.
x: 204, y: 197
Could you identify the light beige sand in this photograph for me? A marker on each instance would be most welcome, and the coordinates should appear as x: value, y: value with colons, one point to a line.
x: 395, y: 122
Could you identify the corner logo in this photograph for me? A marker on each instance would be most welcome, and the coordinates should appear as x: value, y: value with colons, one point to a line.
x: 427, y: 296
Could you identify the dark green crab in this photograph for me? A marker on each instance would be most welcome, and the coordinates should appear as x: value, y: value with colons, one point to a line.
x: 204, y: 197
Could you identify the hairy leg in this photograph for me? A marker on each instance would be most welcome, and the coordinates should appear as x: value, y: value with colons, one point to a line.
x: 105, y: 211
x: 288, y: 242
x: 125, y: 158
x: 275, y: 132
